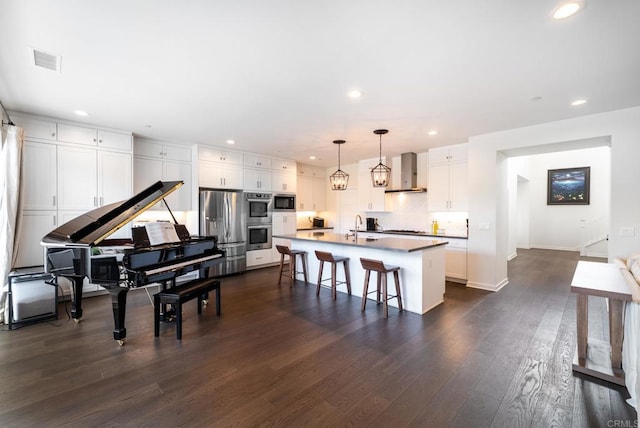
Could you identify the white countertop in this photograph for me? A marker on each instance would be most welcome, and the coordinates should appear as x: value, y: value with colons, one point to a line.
x: 390, y: 244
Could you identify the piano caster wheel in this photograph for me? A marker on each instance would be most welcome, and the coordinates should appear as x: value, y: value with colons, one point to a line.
x: 120, y: 342
x: 77, y: 320
x: 205, y: 302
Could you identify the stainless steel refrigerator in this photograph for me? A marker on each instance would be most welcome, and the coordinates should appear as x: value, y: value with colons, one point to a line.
x: 222, y: 215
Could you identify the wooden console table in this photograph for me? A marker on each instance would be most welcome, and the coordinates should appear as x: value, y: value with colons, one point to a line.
x: 595, y: 357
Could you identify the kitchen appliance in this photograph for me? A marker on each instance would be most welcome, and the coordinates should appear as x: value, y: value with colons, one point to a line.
x: 258, y: 208
x: 408, y: 175
x: 284, y: 202
x: 318, y: 222
x: 259, y: 236
x: 222, y: 215
x: 372, y: 223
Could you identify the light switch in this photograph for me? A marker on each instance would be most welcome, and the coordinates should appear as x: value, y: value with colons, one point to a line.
x: 628, y: 232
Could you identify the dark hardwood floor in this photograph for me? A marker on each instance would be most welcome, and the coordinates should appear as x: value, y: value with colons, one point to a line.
x: 279, y: 356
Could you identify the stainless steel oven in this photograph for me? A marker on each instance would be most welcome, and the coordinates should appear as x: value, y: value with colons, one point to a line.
x: 258, y: 208
x: 258, y: 236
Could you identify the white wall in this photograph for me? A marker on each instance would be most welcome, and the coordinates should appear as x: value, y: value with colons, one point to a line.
x: 557, y: 227
x: 488, y: 196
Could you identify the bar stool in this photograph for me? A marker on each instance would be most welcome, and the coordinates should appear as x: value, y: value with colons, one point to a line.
x: 291, y: 264
x: 324, y: 256
x: 377, y: 266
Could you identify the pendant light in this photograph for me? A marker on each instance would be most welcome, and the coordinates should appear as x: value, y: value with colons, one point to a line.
x: 339, y: 179
x: 380, y: 174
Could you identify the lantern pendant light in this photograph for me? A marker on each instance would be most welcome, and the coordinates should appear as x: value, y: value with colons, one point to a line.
x: 339, y: 179
x: 380, y: 174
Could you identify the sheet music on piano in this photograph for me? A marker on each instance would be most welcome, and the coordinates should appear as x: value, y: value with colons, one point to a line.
x: 161, y: 233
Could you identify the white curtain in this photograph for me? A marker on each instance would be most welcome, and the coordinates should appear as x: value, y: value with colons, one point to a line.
x: 10, y: 206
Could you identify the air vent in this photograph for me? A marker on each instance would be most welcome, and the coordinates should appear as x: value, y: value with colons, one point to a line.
x: 46, y: 60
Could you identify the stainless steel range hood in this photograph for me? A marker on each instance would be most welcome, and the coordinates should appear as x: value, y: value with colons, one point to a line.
x: 408, y: 175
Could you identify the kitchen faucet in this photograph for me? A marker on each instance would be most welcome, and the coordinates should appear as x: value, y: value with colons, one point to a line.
x: 355, y: 230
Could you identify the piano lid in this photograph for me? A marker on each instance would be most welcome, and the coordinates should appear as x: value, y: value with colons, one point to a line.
x: 94, y: 226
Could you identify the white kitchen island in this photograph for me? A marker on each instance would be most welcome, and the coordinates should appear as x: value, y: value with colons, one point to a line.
x: 422, y: 263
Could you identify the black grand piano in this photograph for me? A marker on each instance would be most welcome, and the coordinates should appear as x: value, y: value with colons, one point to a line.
x: 73, y: 248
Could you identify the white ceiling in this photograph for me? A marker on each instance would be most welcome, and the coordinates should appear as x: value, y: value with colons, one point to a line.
x: 273, y: 75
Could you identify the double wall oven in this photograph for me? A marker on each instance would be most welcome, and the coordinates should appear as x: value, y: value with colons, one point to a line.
x: 258, y: 211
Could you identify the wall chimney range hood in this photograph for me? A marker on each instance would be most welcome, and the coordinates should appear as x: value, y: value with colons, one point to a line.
x: 408, y: 175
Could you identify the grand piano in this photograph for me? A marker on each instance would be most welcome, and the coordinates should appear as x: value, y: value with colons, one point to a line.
x: 75, y: 250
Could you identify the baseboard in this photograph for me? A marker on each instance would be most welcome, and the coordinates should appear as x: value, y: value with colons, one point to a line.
x: 488, y: 287
x: 538, y: 247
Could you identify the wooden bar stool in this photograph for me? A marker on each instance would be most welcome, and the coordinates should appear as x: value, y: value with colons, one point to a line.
x: 291, y: 264
x: 377, y: 266
x: 324, y: 256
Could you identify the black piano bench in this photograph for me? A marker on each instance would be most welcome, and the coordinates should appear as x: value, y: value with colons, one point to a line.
x: 198, y: 288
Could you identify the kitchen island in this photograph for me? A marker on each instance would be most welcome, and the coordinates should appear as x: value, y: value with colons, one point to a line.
x: 422, y: 263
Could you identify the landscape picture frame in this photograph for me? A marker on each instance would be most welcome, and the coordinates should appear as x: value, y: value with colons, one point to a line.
x: 569, y: 186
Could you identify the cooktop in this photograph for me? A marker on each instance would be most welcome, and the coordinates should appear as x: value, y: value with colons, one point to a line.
x: 407, y: 231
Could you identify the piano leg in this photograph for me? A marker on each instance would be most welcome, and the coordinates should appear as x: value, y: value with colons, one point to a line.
x: 119, y: 304
x: 77, y: 284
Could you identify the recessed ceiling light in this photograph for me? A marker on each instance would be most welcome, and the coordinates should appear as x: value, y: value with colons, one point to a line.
x: 567, y: 9
x: 578, y: 102
x: 231, y: 142
x: 354, y: 93
x: 312, y: 157
x: 81, y: 113
x: 434, y: 132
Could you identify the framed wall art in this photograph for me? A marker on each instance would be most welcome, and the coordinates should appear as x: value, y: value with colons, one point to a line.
x: 568, y: 186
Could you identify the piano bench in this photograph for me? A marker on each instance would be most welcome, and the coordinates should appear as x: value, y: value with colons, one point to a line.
x: 196, y: 289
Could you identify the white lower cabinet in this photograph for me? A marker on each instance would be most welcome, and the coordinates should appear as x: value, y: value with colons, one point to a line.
x: 35, y: 225
x: 456, y: 260
x: 258, y: 257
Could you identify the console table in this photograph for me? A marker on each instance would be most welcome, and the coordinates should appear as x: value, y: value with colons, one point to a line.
x: 595, y: 357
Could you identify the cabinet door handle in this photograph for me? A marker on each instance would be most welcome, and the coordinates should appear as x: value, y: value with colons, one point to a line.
x: 94, y: 140
x: 95, y: 201
x: 53, y: 134
x: 54, y: 220
x: 100, y: 141
x: 101, y: 201
x: 54, y: 200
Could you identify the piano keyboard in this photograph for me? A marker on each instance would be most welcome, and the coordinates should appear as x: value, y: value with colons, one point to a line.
x: 176, y: 266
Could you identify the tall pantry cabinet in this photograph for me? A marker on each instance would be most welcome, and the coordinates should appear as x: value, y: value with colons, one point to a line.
x: 67, y: 175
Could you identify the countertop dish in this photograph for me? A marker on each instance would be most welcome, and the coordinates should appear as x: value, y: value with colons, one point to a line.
x: 390, y: 244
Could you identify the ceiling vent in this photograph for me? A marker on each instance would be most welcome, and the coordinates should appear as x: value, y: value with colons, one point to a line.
x: 46, y: 60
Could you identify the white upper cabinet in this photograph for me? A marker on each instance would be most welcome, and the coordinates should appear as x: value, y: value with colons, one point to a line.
x: 159, y: 150
x: 40, y: 176
x: 115, y: 177
x: 257, y: 179
x: 36, y: 128
x: 255, y: 161
x: 448, y: 179
x: 77, y: 178
x: 158, y: 161
x: 311, y: 188
x: 284, y: 165
x: 283, y: 182
x: 220, y: 175
x: 211, y: 154
x: 114, y: 140
x: 94, y: 137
